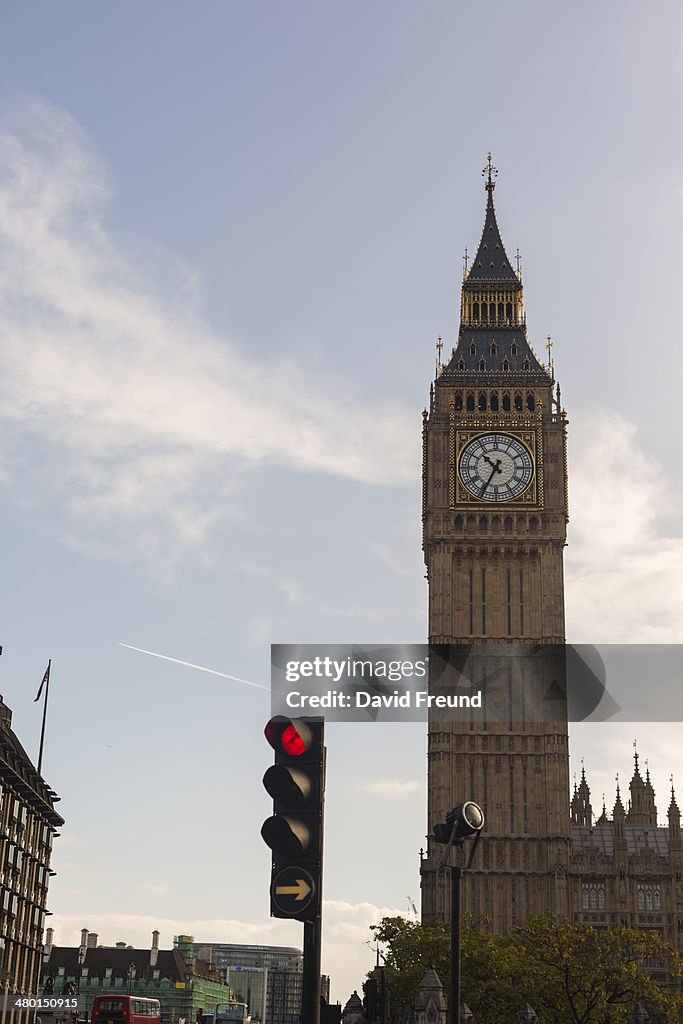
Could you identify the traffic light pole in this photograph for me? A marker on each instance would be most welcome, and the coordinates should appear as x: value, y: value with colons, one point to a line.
x: 310, y: 996
x: 456, y: 878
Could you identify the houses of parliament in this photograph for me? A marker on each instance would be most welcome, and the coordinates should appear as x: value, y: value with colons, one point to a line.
x: 495, y: 513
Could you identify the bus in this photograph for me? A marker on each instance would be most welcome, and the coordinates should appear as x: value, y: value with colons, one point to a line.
x: 231, y: 1013
x: 116, y: 1009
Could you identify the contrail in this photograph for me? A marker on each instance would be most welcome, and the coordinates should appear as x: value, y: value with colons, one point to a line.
x: 189, y: 664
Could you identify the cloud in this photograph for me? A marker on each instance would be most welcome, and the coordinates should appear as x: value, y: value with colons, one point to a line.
x: 119, y: 399
x: 624, y: 571
x: 390, y: 787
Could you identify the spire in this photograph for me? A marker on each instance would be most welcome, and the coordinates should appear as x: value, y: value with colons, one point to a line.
x: 582, y: 812
x: 642, y: 810
x: 619, y: 811
x: 603, y: 819
x: 491, y: 264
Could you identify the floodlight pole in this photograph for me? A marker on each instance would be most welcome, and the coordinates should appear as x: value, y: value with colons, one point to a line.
x: 454, y: 1002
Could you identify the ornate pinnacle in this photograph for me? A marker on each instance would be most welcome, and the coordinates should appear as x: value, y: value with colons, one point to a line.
x: 490, y: 173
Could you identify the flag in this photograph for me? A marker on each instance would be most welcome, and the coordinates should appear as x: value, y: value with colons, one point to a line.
x: 45, y: 680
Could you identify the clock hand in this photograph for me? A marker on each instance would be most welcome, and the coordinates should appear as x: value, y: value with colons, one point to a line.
x: 496, y: 469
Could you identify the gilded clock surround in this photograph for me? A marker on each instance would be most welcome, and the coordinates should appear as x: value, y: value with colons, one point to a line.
x: 532, y: 496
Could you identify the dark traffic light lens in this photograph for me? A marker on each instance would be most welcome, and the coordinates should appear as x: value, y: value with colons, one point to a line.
x: 286, y: 836
x: 287, y: 785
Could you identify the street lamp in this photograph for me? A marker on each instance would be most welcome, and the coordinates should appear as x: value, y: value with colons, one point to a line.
x: 131, y: 976
x: 465, y: 821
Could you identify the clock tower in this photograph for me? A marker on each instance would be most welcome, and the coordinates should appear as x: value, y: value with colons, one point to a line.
x: 494, y: 530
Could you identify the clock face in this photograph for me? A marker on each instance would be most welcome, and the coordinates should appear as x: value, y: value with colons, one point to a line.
x: 496, y: 467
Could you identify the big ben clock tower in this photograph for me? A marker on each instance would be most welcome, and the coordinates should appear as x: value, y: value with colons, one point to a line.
x: 495, y: 514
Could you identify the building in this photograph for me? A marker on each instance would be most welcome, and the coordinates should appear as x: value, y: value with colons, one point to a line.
x: 268, y: 979
x: 28, y: 824
x: 494, y: 530
x: 627, y: 869
x: 495, y: 513
x: 178, y: 978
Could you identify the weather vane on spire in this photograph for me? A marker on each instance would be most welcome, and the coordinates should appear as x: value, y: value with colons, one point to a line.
x: 491, y: 174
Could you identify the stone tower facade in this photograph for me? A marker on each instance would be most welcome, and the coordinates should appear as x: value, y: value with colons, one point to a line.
x: 494, y: 528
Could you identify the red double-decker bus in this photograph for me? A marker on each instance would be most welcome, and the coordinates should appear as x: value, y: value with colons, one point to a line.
x: 116, y: 1009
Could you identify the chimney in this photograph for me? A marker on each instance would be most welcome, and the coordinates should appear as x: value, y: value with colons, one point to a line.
x: 120, y: 945
x: 154, y: 952
x: 49, y: 938
x: 84, y: 942
x: 92, y: 940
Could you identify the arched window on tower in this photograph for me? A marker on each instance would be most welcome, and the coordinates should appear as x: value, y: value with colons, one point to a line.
x: 507, y: 524
x: 506, y: 401
x: 482, y: 401
x: 513, y: 349
x: 641, y: 897
x: 530, y: 401
x: 458, y: 524
x: 508, y: 312
x: 526, y: 364
x: 518, y: 401
x: 657, y: 900
x: 461, y: 365
x: 458, y: 401
x: 483, y: 524
x: 506, y: 365
x: 533, y: 525
x: 493, y: 349
x: 473, y: 349
x: 482, y: 365
x: 470, y: 401
x: 475, y: 311
x: 494, y: 402
x: 501, y: 311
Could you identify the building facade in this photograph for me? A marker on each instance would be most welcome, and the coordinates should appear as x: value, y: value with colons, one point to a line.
x: 495, y: 510
x: 494, y: 530
x: 626, y: 868
x: 269, y: 979
x: 181, y: 981
x: 28, y: 824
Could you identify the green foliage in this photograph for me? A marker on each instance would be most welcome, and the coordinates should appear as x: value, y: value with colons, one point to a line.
x: 570, y: 974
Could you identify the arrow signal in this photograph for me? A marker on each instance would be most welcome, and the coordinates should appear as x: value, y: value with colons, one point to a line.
x: 299, y: 891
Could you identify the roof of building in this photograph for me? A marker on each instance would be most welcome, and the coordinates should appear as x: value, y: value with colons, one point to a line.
x: 169, y: 962
x: 599, y: 838
x: 17, y: 770
x: 491, y: 264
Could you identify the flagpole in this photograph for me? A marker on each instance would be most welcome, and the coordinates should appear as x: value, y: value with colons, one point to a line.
x: 46, y: 680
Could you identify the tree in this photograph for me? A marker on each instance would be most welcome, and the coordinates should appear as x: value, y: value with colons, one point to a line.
x: 570, y: 974
x: 582, y: 974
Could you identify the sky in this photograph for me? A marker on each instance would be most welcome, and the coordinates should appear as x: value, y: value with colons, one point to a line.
x: 230, y: 235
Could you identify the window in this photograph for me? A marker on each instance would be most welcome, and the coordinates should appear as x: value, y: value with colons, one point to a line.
x: 482, y: 400
x: 458, y: 401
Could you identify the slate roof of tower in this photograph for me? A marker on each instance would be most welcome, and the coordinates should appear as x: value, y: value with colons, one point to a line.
x: 491, y: 264
x: 498, y: 344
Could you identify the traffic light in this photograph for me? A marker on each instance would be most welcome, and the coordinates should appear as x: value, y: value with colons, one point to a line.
x: 294, y: 832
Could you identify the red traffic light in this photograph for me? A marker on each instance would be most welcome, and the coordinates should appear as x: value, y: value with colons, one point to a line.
x: 289, y: 736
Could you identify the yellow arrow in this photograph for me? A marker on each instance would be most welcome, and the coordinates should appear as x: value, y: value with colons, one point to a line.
x: 299, y: 891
